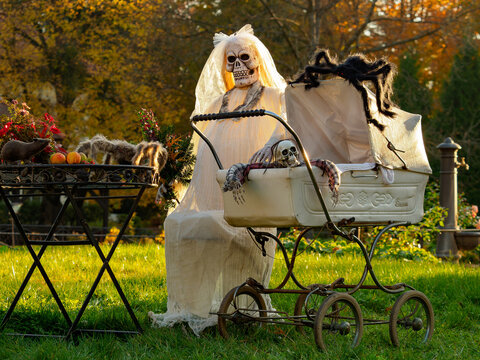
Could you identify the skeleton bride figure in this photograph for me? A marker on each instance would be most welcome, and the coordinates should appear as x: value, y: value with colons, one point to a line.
x: 206, y: 257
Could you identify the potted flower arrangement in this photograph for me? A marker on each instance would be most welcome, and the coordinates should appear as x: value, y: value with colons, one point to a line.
x: 179, y: 167
x: 17, y: 123
x: 468, y: 237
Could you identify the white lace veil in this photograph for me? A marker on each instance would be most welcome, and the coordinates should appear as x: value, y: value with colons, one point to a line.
x: 215, y: 80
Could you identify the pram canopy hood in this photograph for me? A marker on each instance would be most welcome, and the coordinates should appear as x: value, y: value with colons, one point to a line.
x: 331, y: 123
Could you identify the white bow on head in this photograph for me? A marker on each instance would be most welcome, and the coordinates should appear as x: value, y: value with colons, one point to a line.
x: 219, y: 37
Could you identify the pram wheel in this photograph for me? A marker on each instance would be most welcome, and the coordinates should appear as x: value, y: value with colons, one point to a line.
x: 411, y: 319
x: 307, y: 304
x: 338, y: 322
x: 240, y: 311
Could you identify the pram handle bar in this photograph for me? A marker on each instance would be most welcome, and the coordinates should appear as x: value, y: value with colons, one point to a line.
x: 228, y: 115
x: 261, y: 112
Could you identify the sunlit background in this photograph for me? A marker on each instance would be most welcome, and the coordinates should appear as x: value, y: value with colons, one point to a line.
x: 93, y: 64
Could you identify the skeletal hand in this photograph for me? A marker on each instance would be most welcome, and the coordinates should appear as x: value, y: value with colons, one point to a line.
x: 262, y: 155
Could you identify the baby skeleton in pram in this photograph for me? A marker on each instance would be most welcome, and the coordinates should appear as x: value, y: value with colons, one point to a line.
x: 286, y: 197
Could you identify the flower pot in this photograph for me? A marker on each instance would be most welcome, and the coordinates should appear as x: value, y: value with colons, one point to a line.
x: 467, y: 240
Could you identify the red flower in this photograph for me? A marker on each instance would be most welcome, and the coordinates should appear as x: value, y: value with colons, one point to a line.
x: 59, y: 148
x: 54, y: 129
x: 44, y: 131
x: 49, y: 118
x: 3, y: 130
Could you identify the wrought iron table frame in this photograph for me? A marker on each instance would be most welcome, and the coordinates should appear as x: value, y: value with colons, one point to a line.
x: 69, y: 180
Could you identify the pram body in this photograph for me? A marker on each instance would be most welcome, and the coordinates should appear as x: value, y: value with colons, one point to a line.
x: 286, y: 197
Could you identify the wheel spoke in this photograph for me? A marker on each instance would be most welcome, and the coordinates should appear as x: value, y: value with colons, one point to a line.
x: 412, y: 319
x: 306, y: 308
x: 338, y: 323
x: 240, y: 311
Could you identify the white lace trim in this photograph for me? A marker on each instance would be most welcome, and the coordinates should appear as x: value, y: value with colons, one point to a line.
x: 169, y: 319
x: 176, y: 315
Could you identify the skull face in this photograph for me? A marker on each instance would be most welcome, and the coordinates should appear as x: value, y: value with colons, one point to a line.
x: 242, y: 62
x: 286, y: 154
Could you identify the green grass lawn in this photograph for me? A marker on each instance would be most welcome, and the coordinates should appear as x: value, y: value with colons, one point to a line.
x: 454, y: 291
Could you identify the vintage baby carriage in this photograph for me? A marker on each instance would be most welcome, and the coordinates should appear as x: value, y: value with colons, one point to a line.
x: 383, y: 179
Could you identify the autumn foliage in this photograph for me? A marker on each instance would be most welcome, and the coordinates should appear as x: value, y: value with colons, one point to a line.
x: 93, y: 63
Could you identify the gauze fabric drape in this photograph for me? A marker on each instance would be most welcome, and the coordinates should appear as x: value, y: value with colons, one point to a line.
x: 331, y: 123
x: 206, y: 257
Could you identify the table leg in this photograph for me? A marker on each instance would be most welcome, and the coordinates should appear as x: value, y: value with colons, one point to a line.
x: 36, y: 260
x: 105, y: 260
x: 21, y: 289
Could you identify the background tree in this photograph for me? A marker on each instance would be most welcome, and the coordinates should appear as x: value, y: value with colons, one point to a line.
x: 413, y: 95
x: 410, y: 93
x: 459, y: 116
x: 83, y: 60
x: 96, y: 62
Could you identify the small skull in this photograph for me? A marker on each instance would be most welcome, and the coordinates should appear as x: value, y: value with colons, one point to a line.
x: 286, y: 154
x: 242, y: 61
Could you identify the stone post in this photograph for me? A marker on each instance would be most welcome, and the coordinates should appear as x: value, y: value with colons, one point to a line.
x: 446, y: 245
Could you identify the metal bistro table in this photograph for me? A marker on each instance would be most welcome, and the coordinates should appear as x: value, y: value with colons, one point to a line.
x: 76, y: 183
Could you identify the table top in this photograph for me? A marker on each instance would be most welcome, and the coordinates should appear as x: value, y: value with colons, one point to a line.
x: 91, y: 176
